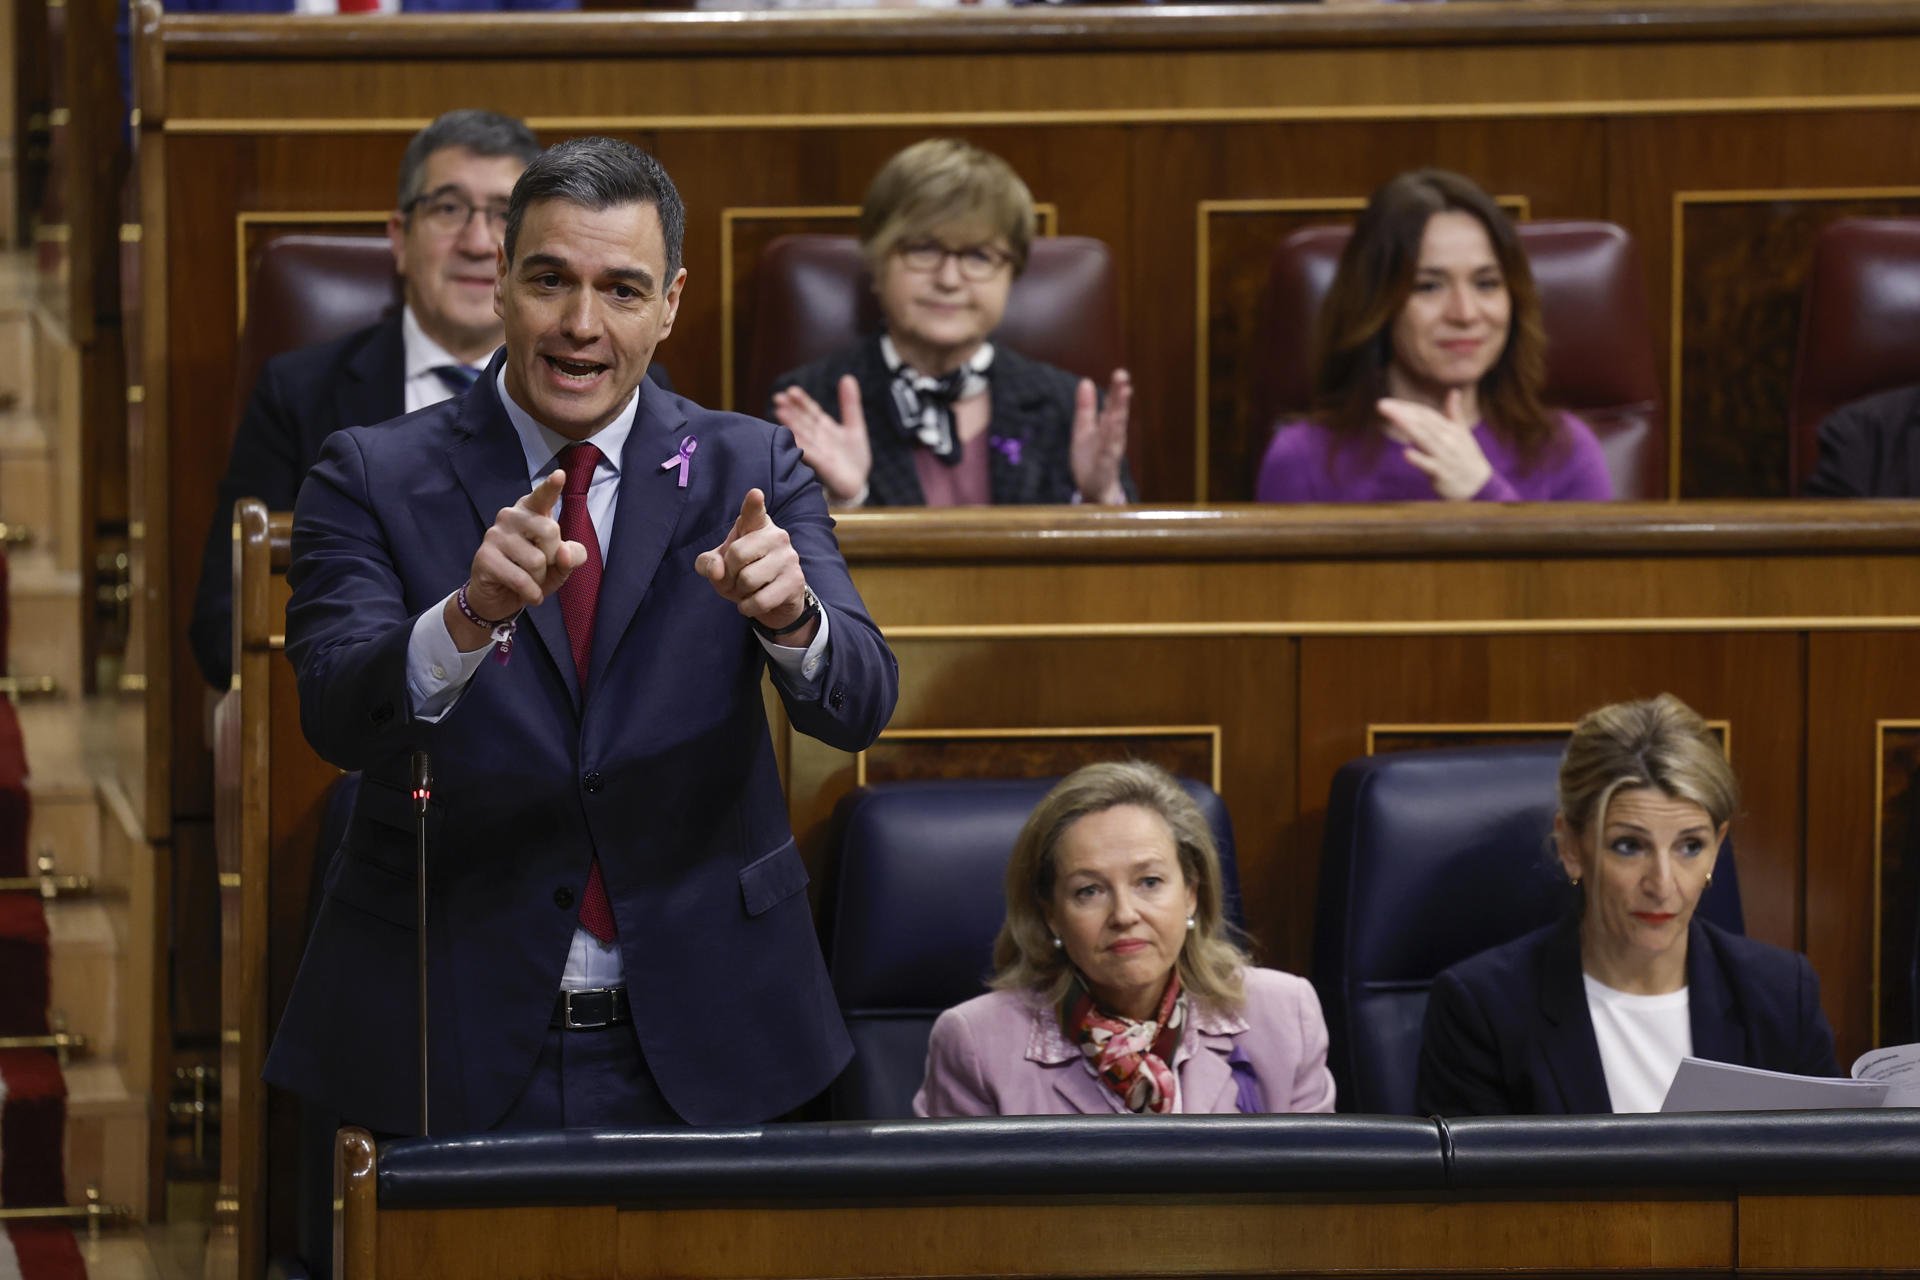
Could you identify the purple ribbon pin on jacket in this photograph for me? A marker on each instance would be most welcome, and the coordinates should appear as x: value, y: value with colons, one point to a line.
x: 1007, y: 446
x: 682, y: 460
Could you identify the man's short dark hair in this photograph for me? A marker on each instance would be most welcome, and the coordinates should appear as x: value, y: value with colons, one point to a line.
x: 600, y: 173
x: 485, y: 133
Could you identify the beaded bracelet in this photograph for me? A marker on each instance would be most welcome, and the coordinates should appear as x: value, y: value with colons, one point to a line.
x: 502, y: 630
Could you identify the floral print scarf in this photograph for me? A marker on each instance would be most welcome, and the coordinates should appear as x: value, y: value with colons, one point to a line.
x: 1134, y: 1059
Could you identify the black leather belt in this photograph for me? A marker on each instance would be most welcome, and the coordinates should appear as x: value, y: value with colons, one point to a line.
x: 592, y: 1009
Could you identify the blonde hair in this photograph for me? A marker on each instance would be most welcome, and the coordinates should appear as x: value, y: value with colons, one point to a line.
x: 944, y: 182
x: 1660, y: 743
x: 1024, y: 957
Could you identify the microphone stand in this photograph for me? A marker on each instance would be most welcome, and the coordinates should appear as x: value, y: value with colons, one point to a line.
x: 422, y: 793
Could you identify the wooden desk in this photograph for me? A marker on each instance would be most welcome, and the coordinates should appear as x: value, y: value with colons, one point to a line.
x: 1263, y: 647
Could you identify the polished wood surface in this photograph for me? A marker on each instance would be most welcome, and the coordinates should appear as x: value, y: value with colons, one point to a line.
x: 1104, y: 1231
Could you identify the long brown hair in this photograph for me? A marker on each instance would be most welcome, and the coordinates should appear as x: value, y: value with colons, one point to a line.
x: 1353, y: 336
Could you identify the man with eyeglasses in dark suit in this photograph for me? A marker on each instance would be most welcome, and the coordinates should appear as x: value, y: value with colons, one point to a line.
x: 445, y: 231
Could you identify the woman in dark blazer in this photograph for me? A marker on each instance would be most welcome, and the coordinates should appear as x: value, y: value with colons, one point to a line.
x: 930, y: 413
x: 1594, y: 1013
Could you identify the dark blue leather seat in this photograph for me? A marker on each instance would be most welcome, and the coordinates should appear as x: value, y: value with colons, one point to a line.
x: 1431, y: 857
x: 916, y: 902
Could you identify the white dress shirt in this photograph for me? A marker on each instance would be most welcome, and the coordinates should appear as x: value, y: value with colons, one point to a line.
x: 423, y: 355
x: 437, y: 672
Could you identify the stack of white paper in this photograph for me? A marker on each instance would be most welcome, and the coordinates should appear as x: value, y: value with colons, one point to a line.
x: 1881, y: 1078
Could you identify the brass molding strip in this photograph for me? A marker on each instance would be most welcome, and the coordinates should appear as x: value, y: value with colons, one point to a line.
x: 1676, y: 274
x: 1203, y: 295
x: 1456, y: 626
x: 1209, y: 731
x: 1307, y: 113
x: 1463, y: 729
x: 284, y: 217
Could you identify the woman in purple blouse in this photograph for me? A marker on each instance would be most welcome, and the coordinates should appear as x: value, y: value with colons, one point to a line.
x: 1428, y: 359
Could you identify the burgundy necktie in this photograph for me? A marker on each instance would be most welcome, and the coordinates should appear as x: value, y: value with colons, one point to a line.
x: 579, y: 601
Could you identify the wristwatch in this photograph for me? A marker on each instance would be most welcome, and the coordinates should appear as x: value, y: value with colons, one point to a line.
x: 809, y: 610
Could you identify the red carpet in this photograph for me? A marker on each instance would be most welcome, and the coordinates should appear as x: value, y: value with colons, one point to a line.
x: 33, y: 1093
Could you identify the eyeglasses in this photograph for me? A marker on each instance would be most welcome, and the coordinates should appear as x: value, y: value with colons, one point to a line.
x: 447, y: 214
x: 977, y: 261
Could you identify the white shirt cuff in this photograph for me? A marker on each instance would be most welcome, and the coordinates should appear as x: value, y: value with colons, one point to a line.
x: 437, y: 672
x: 803, y: 669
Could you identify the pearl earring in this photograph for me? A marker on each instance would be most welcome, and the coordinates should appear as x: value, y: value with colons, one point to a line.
x: 1709, y: 883
x: 1190, y: 924
x: 1058, y: 945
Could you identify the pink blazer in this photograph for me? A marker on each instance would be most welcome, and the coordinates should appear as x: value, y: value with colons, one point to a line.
x: 1002, y: 1054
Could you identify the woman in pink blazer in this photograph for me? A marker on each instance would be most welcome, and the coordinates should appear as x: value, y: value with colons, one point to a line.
x: 1117, y: 988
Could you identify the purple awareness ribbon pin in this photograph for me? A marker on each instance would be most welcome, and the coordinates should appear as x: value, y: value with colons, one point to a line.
x: 682, y: 460
x: 1008, y: 446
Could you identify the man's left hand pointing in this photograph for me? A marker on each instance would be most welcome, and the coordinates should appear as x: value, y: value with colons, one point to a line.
x: 756, y: 568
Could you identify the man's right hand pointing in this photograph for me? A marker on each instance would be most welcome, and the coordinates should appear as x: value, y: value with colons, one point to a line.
x: 521, y: 561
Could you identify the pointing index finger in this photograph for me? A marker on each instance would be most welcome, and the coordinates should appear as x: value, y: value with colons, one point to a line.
x: 753, y: 512
x: 541, y: 498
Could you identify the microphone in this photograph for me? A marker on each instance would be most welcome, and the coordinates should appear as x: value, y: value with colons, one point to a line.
x: 422, y: 794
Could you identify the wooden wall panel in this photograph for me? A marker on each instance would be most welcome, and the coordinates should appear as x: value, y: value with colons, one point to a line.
x: 1855, y: 683
x: 1234, y: 696
x: 1351, y: 683
x: 1744, y: 260
x: 1896, y: 884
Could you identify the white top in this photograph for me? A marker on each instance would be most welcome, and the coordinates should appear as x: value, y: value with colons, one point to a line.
x: 1642, y: 1039
x: 424, y: 387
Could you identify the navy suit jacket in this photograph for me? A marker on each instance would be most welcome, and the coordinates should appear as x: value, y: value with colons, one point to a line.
x: 666, y: 770
x: 1870, y: 449
x: 300, y: 399
x: 1508, y: 1032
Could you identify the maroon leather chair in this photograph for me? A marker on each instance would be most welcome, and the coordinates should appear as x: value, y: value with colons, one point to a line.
x: 1593, y: 301
x: 307, y: 289
x: 815, y: 298
x: 1859, y: 326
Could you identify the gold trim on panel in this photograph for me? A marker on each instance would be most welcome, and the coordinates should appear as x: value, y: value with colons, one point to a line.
x: 1495, y: 726
x: 1304, y: 113
x: 1046, y: 213
x: 288, y: 217
x: 130, y: 233
x: 1453, y: 626
x: 1203, y: 293
x: 1676, y: 277
x: 1880, y: 728
x: 1209, y: 731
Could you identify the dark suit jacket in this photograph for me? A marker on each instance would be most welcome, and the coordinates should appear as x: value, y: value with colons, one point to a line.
x: 1870, y: 449
x: 1032, y: 404
x: 1508, y: 1032
x: 300, y: 399
x: 666, y: 771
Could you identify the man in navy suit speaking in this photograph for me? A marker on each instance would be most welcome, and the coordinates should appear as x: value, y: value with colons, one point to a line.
x: 566, y: 585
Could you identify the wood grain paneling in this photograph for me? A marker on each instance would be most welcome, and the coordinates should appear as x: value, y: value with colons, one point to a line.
x: 1896, y: 916
x: 1853, y: 683
x: 1743, y: 264
x: 1040, y: 752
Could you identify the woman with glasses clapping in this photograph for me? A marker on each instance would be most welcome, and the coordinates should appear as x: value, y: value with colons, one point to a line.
x: 929, y: 412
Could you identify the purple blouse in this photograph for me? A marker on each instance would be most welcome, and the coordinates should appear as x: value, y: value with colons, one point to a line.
x: 1308, y: 463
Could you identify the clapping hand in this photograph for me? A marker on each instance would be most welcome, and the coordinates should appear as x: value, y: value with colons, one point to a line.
x: 1441, y: 444
x: 837, y: 449
x: 1100, y: 439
